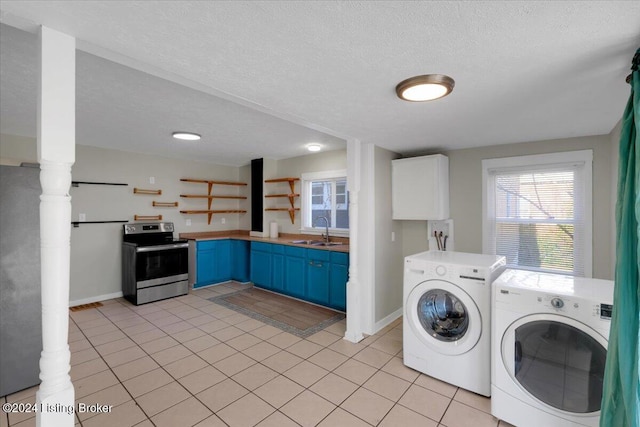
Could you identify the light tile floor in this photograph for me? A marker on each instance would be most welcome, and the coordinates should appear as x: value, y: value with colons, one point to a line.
x: 189, y: 362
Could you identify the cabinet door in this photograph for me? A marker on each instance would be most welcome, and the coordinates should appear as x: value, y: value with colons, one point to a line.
x: 240, y: 260
x: 318, y: 276
x: 294, y: 280
x: 206, y: 264
x: 260, y: 270
x: 223, y: 261
x: 338, y: 286
x: 420, y: 187
x: 277, y: 264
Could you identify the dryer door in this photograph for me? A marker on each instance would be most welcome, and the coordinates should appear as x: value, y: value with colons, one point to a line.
x: 444, y: 317
x: 558, y: 361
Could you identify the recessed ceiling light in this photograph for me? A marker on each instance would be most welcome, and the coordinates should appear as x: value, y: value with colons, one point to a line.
x: 425, y: 88
x: 314, y: 147
x: 186, y: 136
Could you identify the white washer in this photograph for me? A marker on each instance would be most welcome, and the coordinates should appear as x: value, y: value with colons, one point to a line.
x: 446, y: 323
x: 549, y: 345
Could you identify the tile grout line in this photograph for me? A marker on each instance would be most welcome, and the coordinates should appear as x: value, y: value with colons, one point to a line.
x: 257, y: 362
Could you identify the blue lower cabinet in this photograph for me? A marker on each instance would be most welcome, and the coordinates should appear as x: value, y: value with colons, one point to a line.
x: 277, y: 268
x: 338, y: 280
x: 223, y: 261
x: 205, y: 272
x: 318, y: 276
x: 213, y: 260
x: 294, y: 267
x: 240, y: 260
x: 260, y: 264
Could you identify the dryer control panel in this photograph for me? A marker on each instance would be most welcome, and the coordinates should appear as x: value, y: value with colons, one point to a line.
x: 596, y: 314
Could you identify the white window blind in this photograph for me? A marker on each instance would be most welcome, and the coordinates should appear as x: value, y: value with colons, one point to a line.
x: 538, y: 215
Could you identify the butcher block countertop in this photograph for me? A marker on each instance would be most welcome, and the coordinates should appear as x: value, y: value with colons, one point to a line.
x: 283, y: 239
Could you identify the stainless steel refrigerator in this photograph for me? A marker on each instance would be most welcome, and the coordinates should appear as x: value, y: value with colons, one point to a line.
x: 20, y: 307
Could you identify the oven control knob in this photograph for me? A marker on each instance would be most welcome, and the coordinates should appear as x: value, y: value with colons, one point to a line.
x: 557, y: 303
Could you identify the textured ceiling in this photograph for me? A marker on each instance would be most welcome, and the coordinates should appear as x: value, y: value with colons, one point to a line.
x: 524, y: 71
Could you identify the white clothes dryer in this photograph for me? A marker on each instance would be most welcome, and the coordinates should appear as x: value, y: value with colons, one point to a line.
x: 549, y: 346
x: 446, y: 323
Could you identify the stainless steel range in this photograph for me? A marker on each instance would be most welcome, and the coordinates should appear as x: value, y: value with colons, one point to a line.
x: 154, y: 265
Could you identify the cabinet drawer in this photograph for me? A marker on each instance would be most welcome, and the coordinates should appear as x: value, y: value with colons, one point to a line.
x: 259, y: 246
x: 294, y: 251
x: 340, y: 258
x: 318, y: 255
x: 207, y: 244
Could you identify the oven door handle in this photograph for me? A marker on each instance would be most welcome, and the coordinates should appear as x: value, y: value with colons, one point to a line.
x: 161, y: 247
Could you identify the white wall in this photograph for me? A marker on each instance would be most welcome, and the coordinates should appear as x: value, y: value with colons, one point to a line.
x: 244, y: 175
x: 465, y: 189
x: 17, y: 149
x: 388, y: 252
x: 96, y: 248
x: 294, y: 167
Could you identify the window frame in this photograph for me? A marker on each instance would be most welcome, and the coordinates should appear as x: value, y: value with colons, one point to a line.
x: 306, y: 198
x: 544, y: 162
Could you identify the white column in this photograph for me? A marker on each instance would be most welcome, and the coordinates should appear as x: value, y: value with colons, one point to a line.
x: 353, y: 331
x: 56, y: 154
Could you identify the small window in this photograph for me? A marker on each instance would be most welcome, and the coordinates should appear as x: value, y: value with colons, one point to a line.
x: 537, y: 211
x: 325, y: 196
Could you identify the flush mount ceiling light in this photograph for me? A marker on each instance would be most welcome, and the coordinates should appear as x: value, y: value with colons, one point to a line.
x: 314, y: 147
x: 425, y: 88
x: 186, y: 136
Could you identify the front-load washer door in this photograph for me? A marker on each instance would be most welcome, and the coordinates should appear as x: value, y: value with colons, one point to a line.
x: 557, y: 361
x: 444, y: 317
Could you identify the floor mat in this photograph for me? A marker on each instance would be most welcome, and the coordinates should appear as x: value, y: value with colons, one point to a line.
x: 86, y: 306
x: 296, y: 317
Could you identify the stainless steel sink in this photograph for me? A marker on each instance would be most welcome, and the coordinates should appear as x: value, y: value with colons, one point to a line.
x: 325, y: 243
x: 315, y: 243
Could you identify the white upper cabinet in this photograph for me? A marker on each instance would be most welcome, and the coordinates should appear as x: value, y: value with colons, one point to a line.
x: 420, y: 188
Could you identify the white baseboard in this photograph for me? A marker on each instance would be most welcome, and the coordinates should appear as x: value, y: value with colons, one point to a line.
x: 95, y: 299
x: 380, y: 324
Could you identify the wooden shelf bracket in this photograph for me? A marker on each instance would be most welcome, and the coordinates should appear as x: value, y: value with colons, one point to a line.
x: 165, y: 204
x: 147, y: 217
x: 291, y: 196
x: 144, y: 191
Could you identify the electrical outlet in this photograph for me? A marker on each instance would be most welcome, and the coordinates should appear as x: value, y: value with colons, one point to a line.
x: 188, y: 222
x: 152, y: 180
x: 82, y: 217
x: 222, y: 221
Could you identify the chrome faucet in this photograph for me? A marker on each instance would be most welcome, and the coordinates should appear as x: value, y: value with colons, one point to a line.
x: 326, y: 227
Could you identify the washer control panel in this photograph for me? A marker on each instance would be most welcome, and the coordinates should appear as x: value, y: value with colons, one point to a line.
x: 582, y: 309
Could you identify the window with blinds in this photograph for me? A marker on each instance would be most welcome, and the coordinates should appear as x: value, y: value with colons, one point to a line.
x: 538, y: 212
